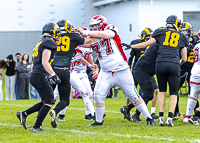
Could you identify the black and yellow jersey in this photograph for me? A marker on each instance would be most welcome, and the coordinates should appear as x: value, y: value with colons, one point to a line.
x: 187, y: 66
x: 37, y: 54
x: 66, y: 48
x: 148, y: 61
x: 170, y: 43
x: 137, y: 53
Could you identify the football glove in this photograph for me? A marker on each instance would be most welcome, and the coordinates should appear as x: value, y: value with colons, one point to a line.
x: 54, y: 79
x: 128, y: 46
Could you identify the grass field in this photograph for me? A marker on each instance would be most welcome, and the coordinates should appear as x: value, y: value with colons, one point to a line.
x: 74, y: 129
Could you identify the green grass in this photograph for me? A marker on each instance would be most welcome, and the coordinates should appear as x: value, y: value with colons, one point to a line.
x: 74, y: 129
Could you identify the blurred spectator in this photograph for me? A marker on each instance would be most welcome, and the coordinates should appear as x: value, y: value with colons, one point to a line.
x: 18, y: 57
x: 2, y: 68
x: 10, y: 78
x: 33, y: 92
x: 24, y: 68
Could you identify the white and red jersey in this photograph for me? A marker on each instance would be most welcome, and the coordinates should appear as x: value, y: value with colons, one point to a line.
x: 195, y: 72
x: 84, y: 53
x: 110, y: 53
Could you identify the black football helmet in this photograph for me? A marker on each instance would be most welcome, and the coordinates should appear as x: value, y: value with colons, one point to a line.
x: 146, y: 32
x: 65, y: 25
x: 51, y: 30
x: 173, y: 22
x: 186, y: 28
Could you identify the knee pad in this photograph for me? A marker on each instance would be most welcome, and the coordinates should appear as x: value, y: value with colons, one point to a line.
x: 98, y: 99
x: 134, y: 99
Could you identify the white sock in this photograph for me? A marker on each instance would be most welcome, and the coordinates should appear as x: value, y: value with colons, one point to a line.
x: 191, y: 103
x: 153, y: 109
x: 63, y: 111
x: 143, y: 109
x: 89, y: 108
x: 99, y: 111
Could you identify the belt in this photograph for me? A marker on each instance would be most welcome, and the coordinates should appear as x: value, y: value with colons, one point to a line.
x: 61, y: 68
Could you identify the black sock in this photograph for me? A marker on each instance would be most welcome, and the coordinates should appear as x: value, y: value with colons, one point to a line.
x: 41, y: 115
x: 197, y: 113
x: 170, y: 114
x: 161, y: 114
x: 130, y: 106
x: 33, y: 109
x: 61, y: 105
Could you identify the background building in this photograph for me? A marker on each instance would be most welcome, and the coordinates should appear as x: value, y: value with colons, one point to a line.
x: 22, y: 20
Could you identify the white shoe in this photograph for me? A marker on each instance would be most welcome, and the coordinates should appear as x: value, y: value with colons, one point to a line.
x: 52, y: 114
x: 186, y: 118
x: 169, y: 122
x: 161, y: 121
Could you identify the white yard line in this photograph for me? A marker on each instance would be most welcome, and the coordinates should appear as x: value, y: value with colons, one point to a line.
x: 113, y: 134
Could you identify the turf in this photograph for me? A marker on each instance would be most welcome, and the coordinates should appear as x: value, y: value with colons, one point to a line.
x: 74, y: 129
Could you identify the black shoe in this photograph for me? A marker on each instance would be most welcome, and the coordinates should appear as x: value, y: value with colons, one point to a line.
x: 61, y: 118
x: 194, y: 120
x: 89, y: 117
x: 176, y: 115
x: 135, y: 118
x: 150, y: 121
x: 124, y: 110
x: 96, y: 124
x: 36, y: 130
x: 22, y: 119
x: 104, y: 115
x: 52, y: 114
x: 154, y: 116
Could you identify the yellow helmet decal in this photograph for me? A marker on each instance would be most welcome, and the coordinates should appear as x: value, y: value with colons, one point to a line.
x: 66, y: 29
x: 147, y: 31
x: 54, y: 32
x: 176, y: 23
x: 186, y: 25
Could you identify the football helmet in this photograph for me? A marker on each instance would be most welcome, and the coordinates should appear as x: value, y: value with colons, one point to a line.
x: 65, y: 26
x: 173, y: 22
x: 186, y: 28
x: 145, y: 33
x: 51, y: 30
x: 199, y: 34
x: 99, y: 20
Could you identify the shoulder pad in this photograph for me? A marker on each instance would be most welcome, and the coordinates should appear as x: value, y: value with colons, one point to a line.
x: 49, y: 44
x: 136, y: 41
x: 111, y: 27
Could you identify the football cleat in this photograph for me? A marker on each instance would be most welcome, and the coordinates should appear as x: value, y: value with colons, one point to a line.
x: 161, y: 121
x: 89, y: 117
x: 169, y: 122
x: 96, y: 124
x: 176, y: 115
x: 150, y: 121
x: 135, y: 118
x: 124, y: 110
x: 60, y: 118
x: 22, y: 119
x: 36, y: 130
x: 194, y: 120
x: 186, y: 118
x: 154, y: 116
x: 52, y: 114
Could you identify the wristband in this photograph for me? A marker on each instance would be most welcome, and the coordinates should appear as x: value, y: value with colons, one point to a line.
x: 53, y: 74
x: 85, y: 32
x: 89, y: 65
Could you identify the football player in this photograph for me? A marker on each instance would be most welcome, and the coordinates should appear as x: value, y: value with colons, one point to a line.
x: 137, y: 53
x: 44, y: 51
x: 186, y: 28
x: 61, y: 64
x: 114, y: 68
x: 195, y: 88
x: 79, y: 80
x: 170, y: 42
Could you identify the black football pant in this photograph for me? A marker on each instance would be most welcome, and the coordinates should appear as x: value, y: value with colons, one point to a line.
x: 185, y: 75
x: 64, y: 88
